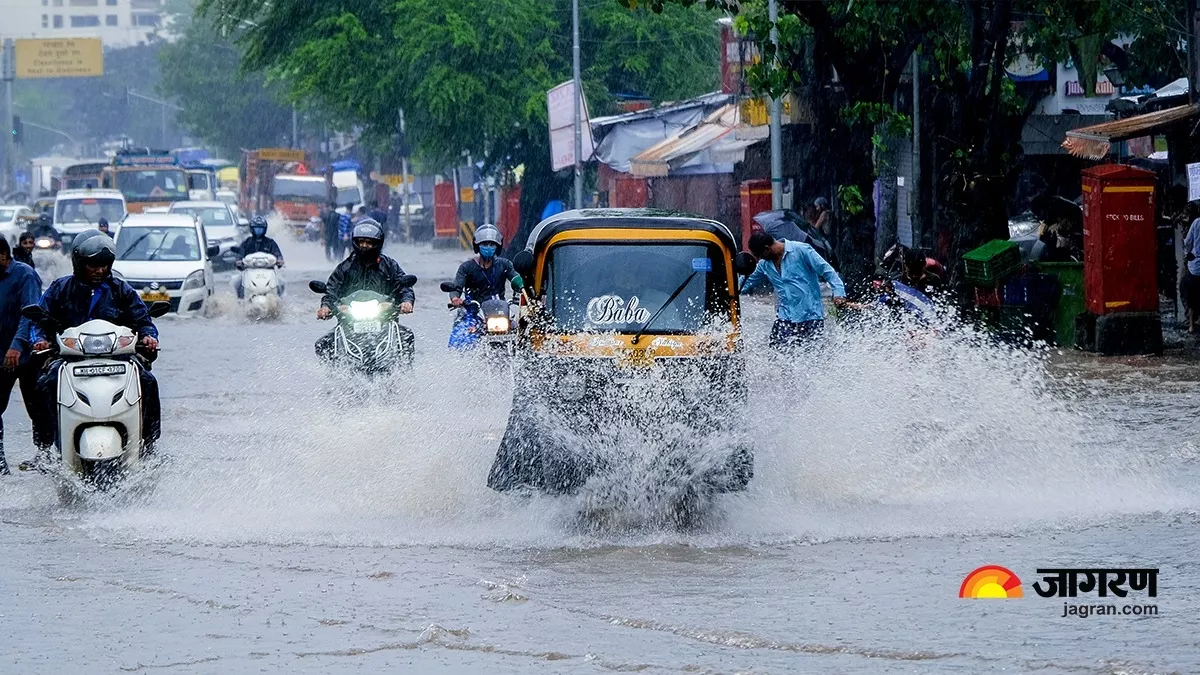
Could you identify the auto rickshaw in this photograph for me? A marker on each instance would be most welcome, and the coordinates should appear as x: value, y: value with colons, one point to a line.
x: 628, y: 361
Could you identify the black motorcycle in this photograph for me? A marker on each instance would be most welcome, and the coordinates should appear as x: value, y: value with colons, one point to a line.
x: 368, y: 336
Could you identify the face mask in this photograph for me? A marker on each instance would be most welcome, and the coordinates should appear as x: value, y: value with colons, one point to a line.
x: 487, y: 250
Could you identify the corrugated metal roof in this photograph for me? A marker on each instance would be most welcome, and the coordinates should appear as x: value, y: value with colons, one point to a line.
x: 1095, y: 141
x: 656, y: 160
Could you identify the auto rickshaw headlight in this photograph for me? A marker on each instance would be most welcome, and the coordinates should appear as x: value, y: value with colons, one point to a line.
x: 497, y: 324
x: 572, y: 386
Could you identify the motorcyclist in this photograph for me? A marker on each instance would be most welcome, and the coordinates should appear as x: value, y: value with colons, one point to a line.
x: 24, y: 250
x: 102, y: 225
x: 91, y: 292
x: 365, y: 269
x: 45, y: 228
x: 257, y: 242
x: 483, y: 276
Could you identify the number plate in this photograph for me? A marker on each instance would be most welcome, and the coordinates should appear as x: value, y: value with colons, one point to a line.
x: 367, y: 326
x: 99, y: 371
x: 155, y: 296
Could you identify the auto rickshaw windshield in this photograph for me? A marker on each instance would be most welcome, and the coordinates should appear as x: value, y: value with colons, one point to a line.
x: 618, y: 287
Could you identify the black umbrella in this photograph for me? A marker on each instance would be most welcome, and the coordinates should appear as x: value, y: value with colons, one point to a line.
x: 793, y: 227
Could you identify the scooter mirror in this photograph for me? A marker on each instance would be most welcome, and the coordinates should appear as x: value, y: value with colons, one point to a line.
x: 449, y: 287
x: 744, y: 263
x: 317, y: 286
x: 160, y: 308
x: 213, y: 250
x: 236, y: 250
x: 408, y: 280
x: 523, y: 263
x: 34, y: 313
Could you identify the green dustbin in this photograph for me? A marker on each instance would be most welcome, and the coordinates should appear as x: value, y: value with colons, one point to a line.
x: 1070, y: 299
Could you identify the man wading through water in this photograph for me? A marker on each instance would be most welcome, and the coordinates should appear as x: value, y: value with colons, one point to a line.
x: 796, y: 271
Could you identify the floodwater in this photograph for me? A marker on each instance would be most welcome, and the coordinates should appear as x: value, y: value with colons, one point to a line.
x: 307, y: 524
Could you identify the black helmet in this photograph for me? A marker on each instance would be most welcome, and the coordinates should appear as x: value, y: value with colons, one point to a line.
x: 488, y: 233
x: 367, y: 238
x: 93, y: 248
x: 44, y: 220
x: 258, y: 226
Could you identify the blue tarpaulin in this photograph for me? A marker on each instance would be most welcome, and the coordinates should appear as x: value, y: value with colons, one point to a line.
x: 347, y: 165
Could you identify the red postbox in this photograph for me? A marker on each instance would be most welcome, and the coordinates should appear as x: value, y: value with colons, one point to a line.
x: 1119, y: 242
x: 756, y: 198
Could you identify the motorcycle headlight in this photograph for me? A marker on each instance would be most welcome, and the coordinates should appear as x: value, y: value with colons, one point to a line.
x: 99, y: 344
x: 497, y: 324
x: 364, y: 310
x: 194, y: 280
x: 572, y: 386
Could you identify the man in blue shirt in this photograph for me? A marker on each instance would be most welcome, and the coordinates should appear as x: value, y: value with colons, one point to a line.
x: 796, y: 271
x: 19, y: 286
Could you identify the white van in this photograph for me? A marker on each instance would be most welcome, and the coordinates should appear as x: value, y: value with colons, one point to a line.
x: 350, y: 189
x: 166, y: 258
x: 76, y: 211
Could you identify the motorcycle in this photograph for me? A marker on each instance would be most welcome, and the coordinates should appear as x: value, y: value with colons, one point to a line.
x: 489, y: 322
x: 99, y: 434
x: 312, y: 231
x: 260, y: 285
x: 368, y: 336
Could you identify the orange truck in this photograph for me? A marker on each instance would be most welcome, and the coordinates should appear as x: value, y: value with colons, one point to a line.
x: 277, y: 182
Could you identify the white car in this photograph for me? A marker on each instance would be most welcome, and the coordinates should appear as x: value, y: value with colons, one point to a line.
x: 166, y: 257
x: 10, y: 227
x: 157, y: 209
x: 76, y: 211
x: 219, y: 223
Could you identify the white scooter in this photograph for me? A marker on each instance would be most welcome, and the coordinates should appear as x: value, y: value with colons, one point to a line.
x: 260, y: 285
x: 99, y: 434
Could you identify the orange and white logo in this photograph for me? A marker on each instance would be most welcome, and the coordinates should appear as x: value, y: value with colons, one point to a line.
x: 991, y: 581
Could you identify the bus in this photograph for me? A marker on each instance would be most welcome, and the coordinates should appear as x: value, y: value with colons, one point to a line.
x: 147, y: 178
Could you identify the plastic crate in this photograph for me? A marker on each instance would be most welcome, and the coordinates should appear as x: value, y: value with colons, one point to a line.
x: 992, y: 263
x: 1036, y: 291
x: 987, y: 297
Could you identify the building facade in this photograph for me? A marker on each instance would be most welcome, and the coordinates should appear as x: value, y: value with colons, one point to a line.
x: 118, y: 23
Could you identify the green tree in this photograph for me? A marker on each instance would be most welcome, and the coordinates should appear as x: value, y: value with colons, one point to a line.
x: 225, y: 107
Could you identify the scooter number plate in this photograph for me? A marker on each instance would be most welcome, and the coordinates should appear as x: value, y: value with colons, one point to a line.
x: 367, y: 326
x: 98, y: 371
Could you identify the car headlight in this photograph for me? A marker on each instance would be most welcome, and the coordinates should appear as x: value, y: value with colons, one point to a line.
x: 194, y: 280
x: 572, y: 386
x: 364, y: 310
x: 497, y: 324
x: 99, y: 344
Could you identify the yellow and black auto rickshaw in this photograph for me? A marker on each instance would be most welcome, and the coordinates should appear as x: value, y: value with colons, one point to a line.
x: 628, y: 365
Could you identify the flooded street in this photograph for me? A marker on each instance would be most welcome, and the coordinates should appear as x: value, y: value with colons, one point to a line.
x: 305, y: 523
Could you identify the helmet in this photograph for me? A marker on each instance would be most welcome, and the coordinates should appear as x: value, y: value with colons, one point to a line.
x: 488, y: 233
x: 102, y: 222
x: 821, y: 203
x: 258, y: 226
x: 44, y: 220
x: 92, y: 248
x: 370, y: 234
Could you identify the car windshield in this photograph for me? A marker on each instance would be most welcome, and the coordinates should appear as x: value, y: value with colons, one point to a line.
x: 150, y: 185
x: 157, y: 243
x: 227, y: 197
x: 217, y: 222
x: 603, y: 287
x: 295, y: 189
x: 348, y: 195
x: 198, y: 181
x: 88, y: 210
x: 7, y: 214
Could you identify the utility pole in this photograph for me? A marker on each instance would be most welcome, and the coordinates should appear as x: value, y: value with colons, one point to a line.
x: 1193, y: 18
x: 578, y: 105
x: 776, y: 113
x: 295, y: 125
x: 405, y: 208
x: 9, y: 69
x: 914, y: 204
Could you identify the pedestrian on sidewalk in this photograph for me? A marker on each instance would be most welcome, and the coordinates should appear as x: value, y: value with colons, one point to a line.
x: 796, y: 271
x: 1189, y: 285
x: 19, y: 288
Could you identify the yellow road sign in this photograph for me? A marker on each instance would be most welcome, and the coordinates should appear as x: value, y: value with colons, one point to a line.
x: 67, y: 57
x: 466, y: 234
x: 395, y: 179
x: 466, y: 194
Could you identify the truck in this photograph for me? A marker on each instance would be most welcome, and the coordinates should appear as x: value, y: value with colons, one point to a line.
x: 276, y: 182
x: 148, y: 178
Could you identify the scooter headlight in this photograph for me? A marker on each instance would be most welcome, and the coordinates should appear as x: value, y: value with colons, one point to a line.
x: 361, y: 311
x: 99, y: 344
x: 497, y: 324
